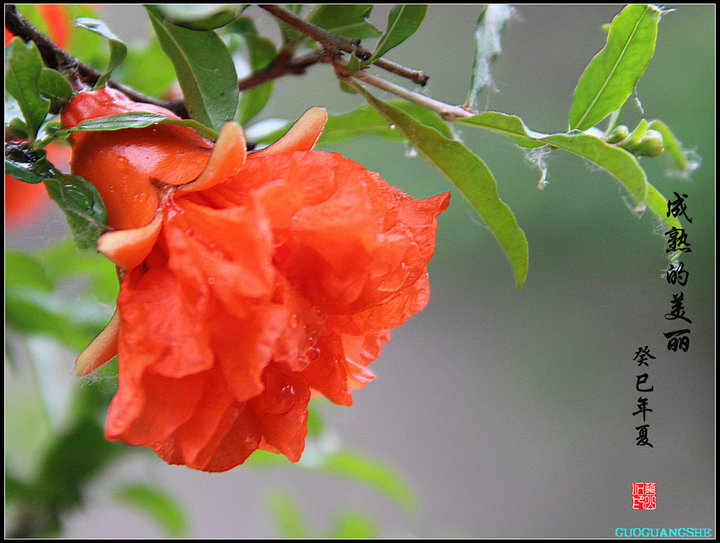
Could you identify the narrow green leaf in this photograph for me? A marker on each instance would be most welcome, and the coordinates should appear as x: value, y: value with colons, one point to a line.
x: 288, y: 515
x: 471, y: 176
x: 118, y: 50
x: 367, y: 121
x: 22, y: 74
x: 262, y: 53
x: 346, y: 20
x: 403, y: 22
x: 612, y: 75
x: 122, y: 121
x: 616, y: 161
x: 490, y: 25
x: 674, y: 148
x: 370, y: 472
x: 156, y: 504
x: 82, y: 205
x: 200, y: 16
x: 204, y: 68
x: 507, y: 125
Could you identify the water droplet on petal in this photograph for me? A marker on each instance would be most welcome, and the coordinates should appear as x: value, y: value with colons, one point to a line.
x: 313, y: 353
x: 279, y: 401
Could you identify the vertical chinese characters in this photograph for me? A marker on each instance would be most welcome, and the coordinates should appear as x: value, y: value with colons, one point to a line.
x: 678, y: 339
x: 642, y: 356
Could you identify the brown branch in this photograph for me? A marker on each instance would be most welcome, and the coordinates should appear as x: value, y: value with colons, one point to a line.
x: 332, y: 41
x: 284, y: 64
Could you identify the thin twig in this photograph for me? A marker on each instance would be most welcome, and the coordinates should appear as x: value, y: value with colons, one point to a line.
x: 283, y: 65
x: 334, y: 42
x: 446, y: 111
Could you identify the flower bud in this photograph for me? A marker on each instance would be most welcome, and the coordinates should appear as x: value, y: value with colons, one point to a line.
x: 651, y: 144
x: 618, y: 134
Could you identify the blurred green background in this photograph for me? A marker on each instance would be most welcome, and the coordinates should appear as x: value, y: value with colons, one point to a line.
x: 510, y: 412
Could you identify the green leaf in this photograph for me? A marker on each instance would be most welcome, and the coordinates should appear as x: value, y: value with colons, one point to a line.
x: 17, y: 128
x: 23, y: 269
x: 262, y: 53
x: 616, y: 161
x: 73, y: 460
x: 315, y: 423
x: 200, y: 16
x: 34, y: 311
x: 204, y: 68
x: 82, y: 205
x: 367, y: 121
x: 658, y: 204
x: 118, y: 50
x: 674, y: 148
x: 157, y: 504
x: 612, y: 75
x: 490, y: 25
x: 346, y: 20
x: 372, y: 473
x: 23, y: 67
x: 53, y: 85
x: 89, y: 47
x: 147, y: 69
x: 403, y: 22
x: 287, y: 514
x: 62, y: 260
x: 471, y: 176
x: 353, y: 525
x: 288, y: 32
x: 122, y: 121
x: 27, y: 164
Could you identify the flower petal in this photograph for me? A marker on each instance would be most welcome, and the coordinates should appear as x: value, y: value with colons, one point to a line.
x: 102, y: 349
x: 128, y: 248
x: 281, y: 413
x: 302, y: 136
x: 163, y: 327
x: 227, y: 159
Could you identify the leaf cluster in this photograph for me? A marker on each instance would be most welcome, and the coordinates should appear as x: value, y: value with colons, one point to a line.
x: 209, y: 45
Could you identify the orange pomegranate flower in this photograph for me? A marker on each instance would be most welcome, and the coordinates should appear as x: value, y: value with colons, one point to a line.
x: 250, y: 280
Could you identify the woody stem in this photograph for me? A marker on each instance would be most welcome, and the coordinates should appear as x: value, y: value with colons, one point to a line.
x: 334, y: 42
